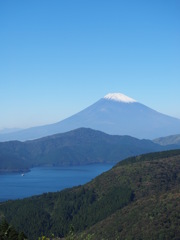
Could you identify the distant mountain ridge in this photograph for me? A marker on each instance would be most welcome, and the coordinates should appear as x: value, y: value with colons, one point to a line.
x: 115, y: 114
x: 78, y: 147
x: 173, y: 139
x: 9, y: 130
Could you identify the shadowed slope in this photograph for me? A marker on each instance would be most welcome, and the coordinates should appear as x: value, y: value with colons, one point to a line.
x: 78, y: 147
x: 113, y: 114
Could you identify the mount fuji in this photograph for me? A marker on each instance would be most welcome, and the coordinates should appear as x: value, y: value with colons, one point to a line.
x: 115, y: 114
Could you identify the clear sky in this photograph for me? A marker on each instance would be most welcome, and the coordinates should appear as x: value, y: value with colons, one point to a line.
x: 57, y: 57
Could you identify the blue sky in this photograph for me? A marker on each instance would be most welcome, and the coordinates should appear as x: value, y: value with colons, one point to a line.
x: 59, y: 56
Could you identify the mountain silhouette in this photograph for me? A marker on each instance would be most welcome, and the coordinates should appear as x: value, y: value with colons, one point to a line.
x: 113, y: 114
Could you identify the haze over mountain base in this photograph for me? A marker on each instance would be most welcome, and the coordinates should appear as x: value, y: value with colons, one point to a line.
x: 114, y: 114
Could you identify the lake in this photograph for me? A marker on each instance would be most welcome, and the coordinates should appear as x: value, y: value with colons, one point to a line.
x: 47, y: 179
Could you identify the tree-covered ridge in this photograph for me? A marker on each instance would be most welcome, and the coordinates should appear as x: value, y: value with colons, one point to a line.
x: 137, y: 199
x: 150, y: 218
x: 150, y: 157
x: 55, y: 213
x: 77, y: 147
x: 8, y: 232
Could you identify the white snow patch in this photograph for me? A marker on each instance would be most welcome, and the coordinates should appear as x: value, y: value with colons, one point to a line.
x: 119, y: 97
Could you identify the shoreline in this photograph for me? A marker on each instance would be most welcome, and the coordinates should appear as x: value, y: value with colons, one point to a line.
x: 12, y: 171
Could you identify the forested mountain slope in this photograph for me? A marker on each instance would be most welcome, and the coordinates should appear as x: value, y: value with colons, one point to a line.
x: 137, y: 199
x: 78, y: 147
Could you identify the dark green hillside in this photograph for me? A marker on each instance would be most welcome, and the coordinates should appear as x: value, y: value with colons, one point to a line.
x: 78, y: 147
x: 152, y: 218
x: 8, y: 232
x: 14, y: 157
x: 137, y: 199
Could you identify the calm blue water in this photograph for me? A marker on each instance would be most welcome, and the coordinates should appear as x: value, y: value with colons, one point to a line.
x: 47, y: 179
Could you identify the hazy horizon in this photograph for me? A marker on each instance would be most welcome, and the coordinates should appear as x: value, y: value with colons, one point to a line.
x: 59, y: 57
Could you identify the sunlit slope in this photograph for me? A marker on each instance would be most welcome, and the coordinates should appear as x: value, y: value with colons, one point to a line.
x: 136, y: 199
x: 112, y: 115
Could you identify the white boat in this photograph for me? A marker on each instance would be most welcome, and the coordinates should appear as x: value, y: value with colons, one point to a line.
x: 22, y: 175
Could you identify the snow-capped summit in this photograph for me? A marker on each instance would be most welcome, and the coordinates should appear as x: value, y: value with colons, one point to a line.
x: 114, y: 114
x: 119, y: 97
